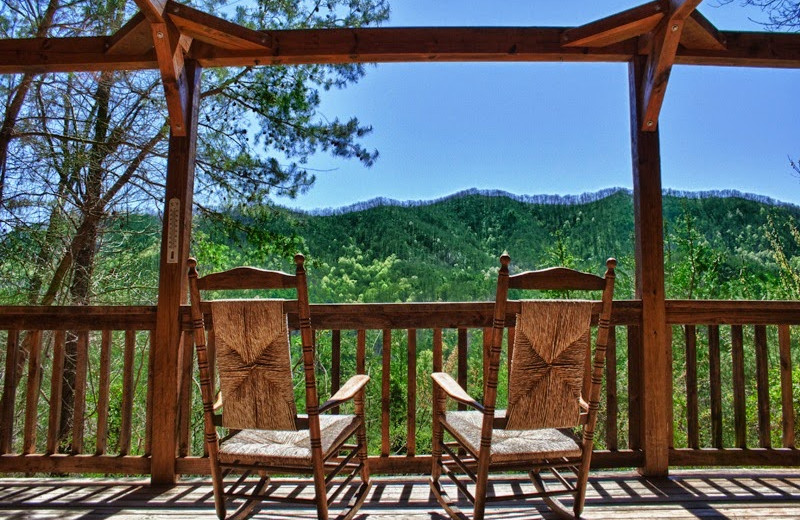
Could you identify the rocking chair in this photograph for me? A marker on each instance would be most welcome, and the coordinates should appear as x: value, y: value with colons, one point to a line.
x: 248, y: 344
x: 549, y: 397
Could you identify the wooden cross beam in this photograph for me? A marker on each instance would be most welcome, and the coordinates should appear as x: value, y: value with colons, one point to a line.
x: 170, y: 46
x: 665, y: 40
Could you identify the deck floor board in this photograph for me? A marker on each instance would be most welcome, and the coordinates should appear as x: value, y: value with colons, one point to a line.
x: 729, y: 494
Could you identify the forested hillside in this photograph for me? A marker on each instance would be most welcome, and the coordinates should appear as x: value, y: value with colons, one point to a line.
x: 715, y: 247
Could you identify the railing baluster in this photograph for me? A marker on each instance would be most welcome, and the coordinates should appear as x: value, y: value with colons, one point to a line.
x: 386, y: 353
x: 9, y: 392
x: 612, y: 405
x: 739, y: 403
x: 102, y: 398
x: 692, y: 423
x: 336, y: 363
x: 437, y: 350
x: 148, y: 431
x: 762, y: 386
x: 361, y: 352
x: 487, y: 345
x: 127, y: 393
x: 634, y: 387
x: 411, y: 406
x: 462, y: 346
x: 716, y: 385
x: 79, y: 407
x: 185, y: 395
x: 787, y: 402
x: 512, y: 334
x: 56, y: 391
x: 32, y: 395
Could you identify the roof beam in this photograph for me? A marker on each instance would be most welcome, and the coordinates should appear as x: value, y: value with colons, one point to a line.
x: 665, y: 39
x: 383, y: 45
x: 616, y: 28
x: 134, y: 36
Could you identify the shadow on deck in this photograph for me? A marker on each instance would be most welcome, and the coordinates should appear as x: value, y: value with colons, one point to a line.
x: 619, y: 495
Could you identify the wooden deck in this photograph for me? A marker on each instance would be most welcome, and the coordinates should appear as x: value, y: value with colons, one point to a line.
x: 739, y: 494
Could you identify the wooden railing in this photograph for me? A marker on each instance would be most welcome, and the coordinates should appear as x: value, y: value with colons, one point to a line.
x: 105, y: 345
x: 388, y: 341
x: 748, y: 347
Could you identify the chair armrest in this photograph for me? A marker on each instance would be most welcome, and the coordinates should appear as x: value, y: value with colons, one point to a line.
x: 353, y: 385
x: 583, y: 404
x: 454, y: 390
x: 217, y: 402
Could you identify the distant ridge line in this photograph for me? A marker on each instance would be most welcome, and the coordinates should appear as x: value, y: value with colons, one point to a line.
x: 564, y: 200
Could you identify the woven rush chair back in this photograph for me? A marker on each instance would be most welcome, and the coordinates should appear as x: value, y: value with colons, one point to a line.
x: 252, y: 348
x: 248, y: 342
x: 551, y: 345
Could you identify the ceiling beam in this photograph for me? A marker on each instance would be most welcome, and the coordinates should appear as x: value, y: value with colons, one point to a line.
x: 665, y: 39
x: 383, y: 45
x: 616, y: 28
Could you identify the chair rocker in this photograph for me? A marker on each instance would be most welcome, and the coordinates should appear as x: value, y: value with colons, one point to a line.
x: 247, y: 342
x: 550, y: 397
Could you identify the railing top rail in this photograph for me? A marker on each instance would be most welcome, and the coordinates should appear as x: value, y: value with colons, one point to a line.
x: 78, y: 317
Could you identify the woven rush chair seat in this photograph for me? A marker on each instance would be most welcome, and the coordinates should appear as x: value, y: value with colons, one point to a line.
x: 286, y: 448
x: 511, y: 445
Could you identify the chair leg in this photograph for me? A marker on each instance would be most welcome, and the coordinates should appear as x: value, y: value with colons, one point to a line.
x: 438, y: 434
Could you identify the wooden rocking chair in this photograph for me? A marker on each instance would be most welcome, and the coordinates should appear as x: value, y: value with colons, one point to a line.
x: 548, y: 397
x: 248, y: 343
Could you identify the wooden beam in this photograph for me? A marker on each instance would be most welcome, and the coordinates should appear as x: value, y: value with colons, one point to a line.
x: 172, y: 286
x: 700, y: 33
x: 169, y: 51
x: 216, y: 31
x: 616, y: 28
x: 665, y: 38
x: 655, y: 377
x: 391, y: 44
x: 153, y: 10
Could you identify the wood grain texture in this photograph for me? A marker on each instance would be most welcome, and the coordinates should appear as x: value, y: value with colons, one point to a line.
x: 616, y: 28
x: 32, y: 392
x: 172, y: 286
x: 715, y: 383
x: 692, y: 418
x: 411, y: 397
x: 103, y: 393
x: 762, y: 386
x: 649, y: 254
x: 787, y: 399
x: 79, y: 406
x: 56, y: 391
x: 739, y: 403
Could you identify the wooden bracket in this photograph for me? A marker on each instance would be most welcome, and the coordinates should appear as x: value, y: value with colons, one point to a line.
x: 169, y: 46
x: 615, y: 28
x: 665, y: 37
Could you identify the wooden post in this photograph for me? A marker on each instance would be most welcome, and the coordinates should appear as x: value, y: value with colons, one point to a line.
x: 172, y: 286
x: 656, y: 365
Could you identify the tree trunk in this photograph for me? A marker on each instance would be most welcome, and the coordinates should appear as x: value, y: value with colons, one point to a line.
x: 84, y: 245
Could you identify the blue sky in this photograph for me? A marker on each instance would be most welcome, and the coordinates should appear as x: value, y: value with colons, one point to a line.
x: 542, y: 128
